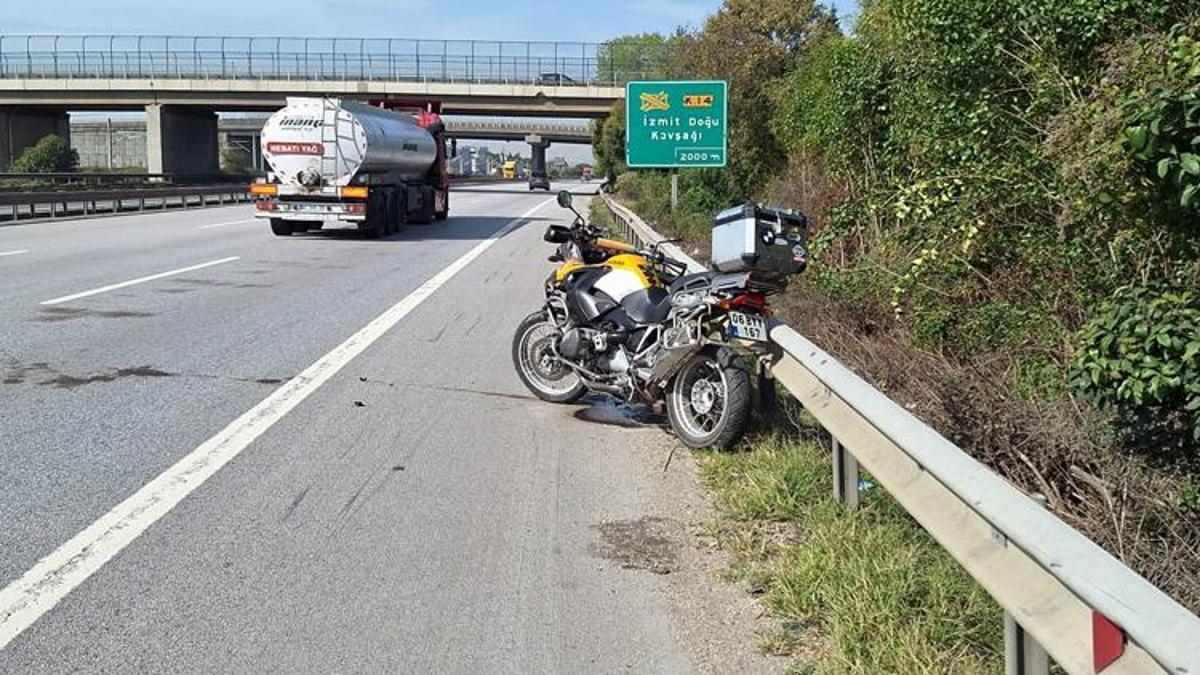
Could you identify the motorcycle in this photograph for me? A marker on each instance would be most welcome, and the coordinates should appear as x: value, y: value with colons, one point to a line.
x: 633, y: 323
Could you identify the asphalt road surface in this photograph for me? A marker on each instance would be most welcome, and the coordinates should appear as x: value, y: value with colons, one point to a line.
x: 226, y: 452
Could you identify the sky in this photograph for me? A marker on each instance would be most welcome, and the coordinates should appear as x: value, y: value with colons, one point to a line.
x: 433, y: 19
x: 529, y: 20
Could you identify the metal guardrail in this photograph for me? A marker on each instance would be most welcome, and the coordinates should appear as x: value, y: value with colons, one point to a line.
x: 1061, y: 591
x: 112, y: 179
x: 29, y: 205
x: 194, y: 57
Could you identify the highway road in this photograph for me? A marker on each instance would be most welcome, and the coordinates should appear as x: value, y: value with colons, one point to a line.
x: 228, y: 452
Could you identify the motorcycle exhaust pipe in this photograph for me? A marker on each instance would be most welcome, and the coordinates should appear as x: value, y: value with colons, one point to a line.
x: 669, y: 364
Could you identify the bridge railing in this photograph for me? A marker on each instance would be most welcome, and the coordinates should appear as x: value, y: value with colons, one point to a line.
x: 1065, y: 598
x: 182, y: 57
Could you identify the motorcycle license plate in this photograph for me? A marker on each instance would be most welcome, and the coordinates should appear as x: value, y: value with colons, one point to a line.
x: 747, y: 326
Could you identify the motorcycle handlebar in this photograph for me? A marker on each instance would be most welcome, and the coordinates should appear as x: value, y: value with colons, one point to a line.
x: 614, y: 245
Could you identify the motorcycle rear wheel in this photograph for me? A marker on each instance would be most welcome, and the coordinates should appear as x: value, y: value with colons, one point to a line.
x: 536, y: 365
x: 708, y: 402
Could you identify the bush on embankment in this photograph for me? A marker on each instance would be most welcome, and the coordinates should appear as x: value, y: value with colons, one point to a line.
x: 1006, y: 199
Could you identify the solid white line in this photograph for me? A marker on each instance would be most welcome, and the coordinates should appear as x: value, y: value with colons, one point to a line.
x: 232, y: 222
x: 140, y: 280
x: 19, y: 252
x: 25, y: 600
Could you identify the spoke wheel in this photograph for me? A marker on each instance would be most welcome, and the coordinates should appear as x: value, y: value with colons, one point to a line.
x: 709, y: 403
x: 539, y: 369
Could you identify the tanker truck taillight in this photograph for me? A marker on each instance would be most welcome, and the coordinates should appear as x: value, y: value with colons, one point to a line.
x: 353, y: 192
x: 263, y: 189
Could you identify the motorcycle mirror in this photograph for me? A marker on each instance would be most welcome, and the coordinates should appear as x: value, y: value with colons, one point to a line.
x: 564, y: 199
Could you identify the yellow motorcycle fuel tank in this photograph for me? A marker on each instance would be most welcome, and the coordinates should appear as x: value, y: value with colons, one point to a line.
x: 631, y: 268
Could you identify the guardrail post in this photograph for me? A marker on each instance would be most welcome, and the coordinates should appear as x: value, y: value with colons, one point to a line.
x: 1022, y: 654
x: 845, y: 475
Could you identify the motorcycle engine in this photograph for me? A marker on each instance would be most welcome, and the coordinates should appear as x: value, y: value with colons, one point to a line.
x: 576, y: 344
x: 585, y: 345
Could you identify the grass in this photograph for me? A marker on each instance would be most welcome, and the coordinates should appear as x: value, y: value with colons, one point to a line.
x: 598, y: 213
x: 864, y: 591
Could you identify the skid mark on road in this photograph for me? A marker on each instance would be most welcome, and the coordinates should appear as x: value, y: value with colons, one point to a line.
x: 18, y: 373
x: 64, y: 381
x: 56, y: 314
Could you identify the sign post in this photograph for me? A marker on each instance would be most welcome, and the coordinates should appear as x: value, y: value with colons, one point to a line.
x: 672, y: 125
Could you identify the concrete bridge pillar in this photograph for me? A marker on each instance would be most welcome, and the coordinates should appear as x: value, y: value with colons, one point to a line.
x: 181, y: 139
x: 23, y: 126
x: 537, y: 157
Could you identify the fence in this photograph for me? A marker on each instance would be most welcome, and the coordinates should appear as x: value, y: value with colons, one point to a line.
x: 281, y: 58
x: 1065, y: 598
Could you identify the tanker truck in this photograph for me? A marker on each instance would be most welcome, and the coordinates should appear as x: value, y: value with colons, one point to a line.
x: 344, y: 162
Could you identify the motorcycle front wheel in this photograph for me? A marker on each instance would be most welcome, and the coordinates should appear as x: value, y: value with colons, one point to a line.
x: 708, y: 402
x: 537, y: 366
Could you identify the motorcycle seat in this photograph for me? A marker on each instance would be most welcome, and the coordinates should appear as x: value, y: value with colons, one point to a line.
x: 696, y: 279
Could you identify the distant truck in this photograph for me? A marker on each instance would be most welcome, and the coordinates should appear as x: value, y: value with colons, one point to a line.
x: 337, y: 161
x: 508, y: 170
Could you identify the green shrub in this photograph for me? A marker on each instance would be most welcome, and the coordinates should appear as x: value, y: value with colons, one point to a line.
x: 1164, y: 124
x: 1140, y: 355
x: 51, y: 154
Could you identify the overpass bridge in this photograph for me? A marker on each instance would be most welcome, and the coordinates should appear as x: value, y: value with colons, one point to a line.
x: 119, y: 144
x: 182, y: 82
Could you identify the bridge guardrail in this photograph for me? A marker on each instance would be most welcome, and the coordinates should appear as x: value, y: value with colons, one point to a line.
x: 197, y: 57
x: 1061, y: 592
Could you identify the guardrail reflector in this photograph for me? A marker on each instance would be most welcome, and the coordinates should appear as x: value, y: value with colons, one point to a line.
x: 1108, y: 641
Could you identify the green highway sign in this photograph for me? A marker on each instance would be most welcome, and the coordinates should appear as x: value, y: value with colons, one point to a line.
x: 675, y: 124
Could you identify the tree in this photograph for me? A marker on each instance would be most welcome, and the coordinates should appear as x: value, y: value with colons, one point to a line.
x: 235, y: 161
x: 51, y: 154
x: 608, y: 142
x: 753, y: 44
x: 649, y: 56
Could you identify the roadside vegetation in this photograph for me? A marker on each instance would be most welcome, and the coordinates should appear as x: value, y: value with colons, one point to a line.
x: 1005, y: 200
x: 853, y: 591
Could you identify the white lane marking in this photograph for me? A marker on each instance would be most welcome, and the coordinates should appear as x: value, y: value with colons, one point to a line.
x: 27, y: 599
x: 139, y: 280
x: 232, y: 222
x: 17, y: 252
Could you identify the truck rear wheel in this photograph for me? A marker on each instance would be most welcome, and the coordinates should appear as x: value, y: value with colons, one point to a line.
x: 396, y: 212
x: 428, y: 208
x: 281, y: 227
x: 375, y: 221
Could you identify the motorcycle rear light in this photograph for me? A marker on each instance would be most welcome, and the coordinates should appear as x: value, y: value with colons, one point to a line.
x: 756, y: 301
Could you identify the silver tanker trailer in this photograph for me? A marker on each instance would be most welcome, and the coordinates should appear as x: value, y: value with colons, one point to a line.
x: 336, y: 161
